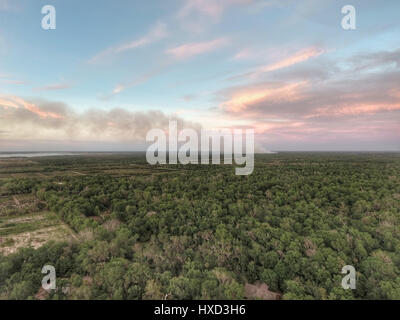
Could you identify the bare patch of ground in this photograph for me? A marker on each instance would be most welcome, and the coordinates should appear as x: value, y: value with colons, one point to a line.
x: 260, y: 291
x: 16, y: 201
x: 34, y: 239
x: 41, y: 294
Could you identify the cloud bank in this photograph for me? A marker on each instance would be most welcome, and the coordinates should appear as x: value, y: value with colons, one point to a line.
x: 41, y: 119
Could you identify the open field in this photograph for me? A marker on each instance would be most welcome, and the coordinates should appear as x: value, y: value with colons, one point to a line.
x: 31, y: 231
x: 58, y: 166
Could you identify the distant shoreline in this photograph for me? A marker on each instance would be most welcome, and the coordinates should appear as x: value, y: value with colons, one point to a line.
x: 33, y: 154
x: 22, y: 154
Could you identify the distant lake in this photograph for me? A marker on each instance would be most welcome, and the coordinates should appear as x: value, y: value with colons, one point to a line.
x: 33, y: 154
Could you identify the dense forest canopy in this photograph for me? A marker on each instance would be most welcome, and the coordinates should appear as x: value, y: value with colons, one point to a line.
x: 201, y: 232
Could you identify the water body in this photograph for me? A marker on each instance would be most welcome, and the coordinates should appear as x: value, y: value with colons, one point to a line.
x: 33, y: 154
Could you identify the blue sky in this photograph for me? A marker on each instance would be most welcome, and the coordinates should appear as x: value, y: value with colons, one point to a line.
x: 285, y: 68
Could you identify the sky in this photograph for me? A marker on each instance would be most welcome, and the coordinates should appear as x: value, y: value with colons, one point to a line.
x: 113, y: 70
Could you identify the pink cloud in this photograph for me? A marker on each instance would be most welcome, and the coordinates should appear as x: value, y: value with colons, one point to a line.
x: 327, y: 135
x: 195, y: 48
x: 11, y: 81
x: 245, y: 53
x: 197, y: 16
x: 156, y: 33
x: 290, y: 60
x: 212, y: 8
x: 245, y: 98
x: 16, y: 102
x: 43, y: 114
x: 263, y: 127
x: 298, y: 57
x: 141, y: 79
x: 354, y: 109
x: 7, y: 104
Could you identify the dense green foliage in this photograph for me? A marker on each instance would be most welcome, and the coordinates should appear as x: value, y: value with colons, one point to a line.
x: 202, y: 232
